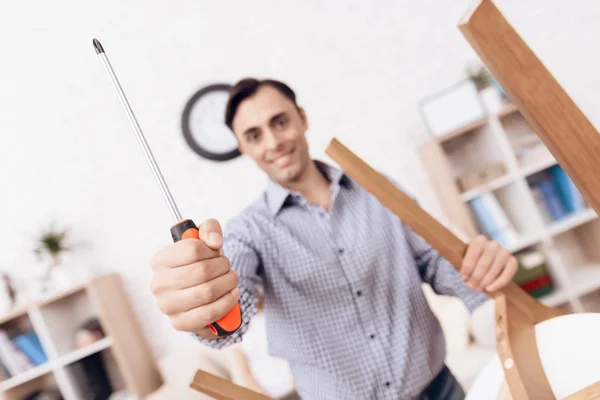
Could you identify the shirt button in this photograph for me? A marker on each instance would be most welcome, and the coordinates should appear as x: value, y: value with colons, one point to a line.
x: 341, y: 251
x: 372, y: 336
x: 387, y: 384
x: 359, y: 293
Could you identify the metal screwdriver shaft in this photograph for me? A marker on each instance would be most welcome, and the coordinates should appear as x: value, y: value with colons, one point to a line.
x: 140, y: 135
x: 182, y: 229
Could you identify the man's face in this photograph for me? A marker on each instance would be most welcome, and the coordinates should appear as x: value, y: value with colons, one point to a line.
x: 271, y: 130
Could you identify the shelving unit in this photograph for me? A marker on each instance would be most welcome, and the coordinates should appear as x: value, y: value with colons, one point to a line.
x: 123, y: 350
x: 569, y: 245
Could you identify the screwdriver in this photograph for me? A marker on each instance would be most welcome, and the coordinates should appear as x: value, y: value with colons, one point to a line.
x: 183, y: 228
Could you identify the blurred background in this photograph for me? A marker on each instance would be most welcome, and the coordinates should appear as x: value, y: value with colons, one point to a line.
x: 72, y: 174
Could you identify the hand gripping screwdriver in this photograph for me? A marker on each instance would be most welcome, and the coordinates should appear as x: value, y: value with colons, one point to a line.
x: 183, y: 228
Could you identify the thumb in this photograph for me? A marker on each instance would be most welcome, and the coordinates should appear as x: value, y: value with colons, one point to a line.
x: 210, y: 232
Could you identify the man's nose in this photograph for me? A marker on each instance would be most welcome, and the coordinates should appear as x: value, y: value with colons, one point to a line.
x: 273, y: 141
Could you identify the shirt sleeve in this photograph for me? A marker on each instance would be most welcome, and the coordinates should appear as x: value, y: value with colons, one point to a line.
x: 442, y: 276
x: 438, y: 272
x: 239, y: 248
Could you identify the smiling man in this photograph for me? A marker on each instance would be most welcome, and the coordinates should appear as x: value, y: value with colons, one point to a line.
x: 341, y: 275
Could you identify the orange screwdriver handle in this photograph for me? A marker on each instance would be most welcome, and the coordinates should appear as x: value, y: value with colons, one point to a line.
x: 231, y: 322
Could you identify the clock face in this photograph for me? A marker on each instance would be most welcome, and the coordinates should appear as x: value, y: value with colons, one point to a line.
x: 203, y: 124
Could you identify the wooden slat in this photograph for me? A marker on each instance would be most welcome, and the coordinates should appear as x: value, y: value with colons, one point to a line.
x: 546, y: 106
x: 222, y: 389
x: 517, y: 349
x: 591, y: 392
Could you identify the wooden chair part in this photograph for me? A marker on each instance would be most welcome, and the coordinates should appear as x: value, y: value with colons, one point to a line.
x: 555, y: 118
x: 222, y: 389
x: 518, y: 312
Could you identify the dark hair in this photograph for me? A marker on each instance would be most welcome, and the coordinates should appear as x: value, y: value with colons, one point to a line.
x: 246, y: 88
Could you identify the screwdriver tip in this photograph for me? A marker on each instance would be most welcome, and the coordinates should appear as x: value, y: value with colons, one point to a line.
x: 98, y: 46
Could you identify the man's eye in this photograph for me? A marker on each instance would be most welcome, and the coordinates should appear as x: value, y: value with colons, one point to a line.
x: 282, y: 122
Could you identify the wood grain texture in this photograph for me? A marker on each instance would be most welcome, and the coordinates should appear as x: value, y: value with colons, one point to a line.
x: 552, y: 114
x: 222, y: 389
x: 591, y: 392
x: 517, y: 349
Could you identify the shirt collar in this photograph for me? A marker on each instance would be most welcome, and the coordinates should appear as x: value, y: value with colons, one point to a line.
x: 278, y: 196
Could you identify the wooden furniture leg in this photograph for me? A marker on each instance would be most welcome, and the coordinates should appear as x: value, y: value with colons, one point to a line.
x: 555, y: 118
x: 553, y: 115
x: 222, y: 389
x: 516, y: 311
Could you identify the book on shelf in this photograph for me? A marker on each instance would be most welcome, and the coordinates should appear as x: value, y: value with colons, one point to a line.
x: 492, y: 220
x: 11, y: 357
x: 30, y: 345
x: 20, y: 353
x: 532, y: 274
x: 556, y: 194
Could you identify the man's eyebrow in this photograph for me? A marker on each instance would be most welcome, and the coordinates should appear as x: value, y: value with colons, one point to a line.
x: 250, y: 131
x: 277, y: 116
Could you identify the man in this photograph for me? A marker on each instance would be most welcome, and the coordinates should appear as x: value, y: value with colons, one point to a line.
x: 341, y: 274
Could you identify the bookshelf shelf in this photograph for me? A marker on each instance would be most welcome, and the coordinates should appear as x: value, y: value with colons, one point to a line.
x: 537, y: 166
x: 66, y: 368
x: 534, y: 205
x: 572, y: 221
x: 555, y: 299
x: 491, y: 186
x: 586, y: 279
x: 93, y: 348
x: 26, y: 376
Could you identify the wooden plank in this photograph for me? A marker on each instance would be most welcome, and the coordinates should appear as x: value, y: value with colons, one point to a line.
x: 222, y: 389
x: 517, y: 349
x: 553, y: 115
x: 591, y: 392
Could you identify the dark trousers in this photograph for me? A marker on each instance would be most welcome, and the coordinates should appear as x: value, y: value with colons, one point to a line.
x: 443, y: 387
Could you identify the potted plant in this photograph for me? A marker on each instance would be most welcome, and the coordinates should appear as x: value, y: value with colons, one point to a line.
x: 487, y: 86
x: 51, y: 247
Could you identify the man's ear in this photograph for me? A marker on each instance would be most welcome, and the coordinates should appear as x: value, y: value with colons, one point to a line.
x: 303, y: 117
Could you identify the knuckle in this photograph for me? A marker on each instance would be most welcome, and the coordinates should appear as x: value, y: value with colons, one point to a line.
x: 209, y: 315
x: 179, y: 324
x: 196, y: 250
x: 164, y: 305
x: 201, y: 272
x: 155, y: 285
x: 206, y: 294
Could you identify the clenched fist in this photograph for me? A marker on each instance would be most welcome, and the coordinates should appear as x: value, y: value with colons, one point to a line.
x: 193, y: 282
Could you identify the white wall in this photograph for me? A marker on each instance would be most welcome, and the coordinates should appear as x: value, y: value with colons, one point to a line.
x: 360, y: 68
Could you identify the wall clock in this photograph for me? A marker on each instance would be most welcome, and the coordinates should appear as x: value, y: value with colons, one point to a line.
x: 203, y: 124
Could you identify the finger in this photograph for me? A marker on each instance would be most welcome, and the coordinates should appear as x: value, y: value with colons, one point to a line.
x: 498, y: 265
x: 483, y: 264
x: 506, y: 276
x: 473, y: 253
x: 179, y: 301
x: 186, y: 276
x: 199, y: 318
x: 183, y: 252
x: 211, y: 233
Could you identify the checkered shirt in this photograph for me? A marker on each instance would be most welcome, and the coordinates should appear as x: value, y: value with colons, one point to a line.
x: 343, y: 297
